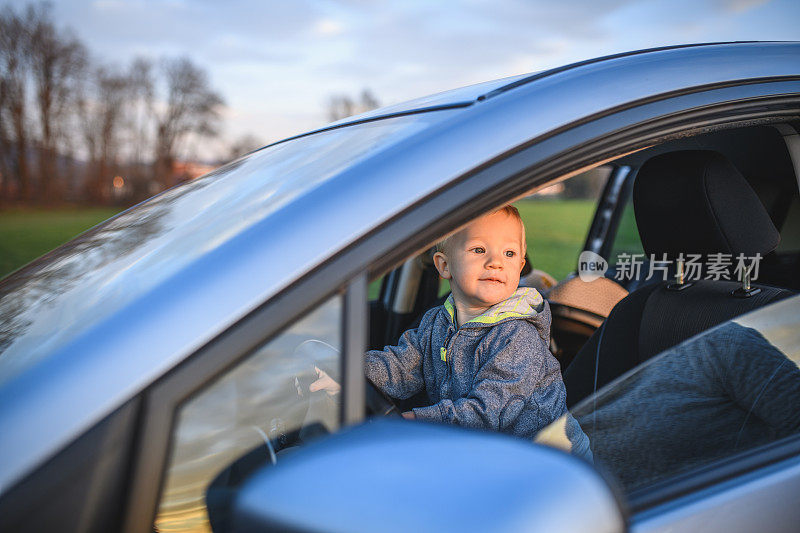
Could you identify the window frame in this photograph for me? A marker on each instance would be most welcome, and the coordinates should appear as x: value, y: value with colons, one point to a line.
x: 754, y: 460
x: 513, y: 174
x: 715, y: 473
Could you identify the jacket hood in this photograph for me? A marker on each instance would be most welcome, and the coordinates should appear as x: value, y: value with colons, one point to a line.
x: 524, y: 304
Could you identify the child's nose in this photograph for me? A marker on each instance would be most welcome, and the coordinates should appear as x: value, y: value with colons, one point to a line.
x: 493, y: 260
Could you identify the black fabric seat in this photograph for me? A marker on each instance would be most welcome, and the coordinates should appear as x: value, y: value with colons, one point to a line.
x: 689, y: 202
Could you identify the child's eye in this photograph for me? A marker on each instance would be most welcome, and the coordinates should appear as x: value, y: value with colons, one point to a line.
x: 479, y: 250
x: 511, y: 253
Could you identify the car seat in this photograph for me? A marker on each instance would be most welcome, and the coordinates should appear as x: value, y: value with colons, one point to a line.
x: 690, y: 202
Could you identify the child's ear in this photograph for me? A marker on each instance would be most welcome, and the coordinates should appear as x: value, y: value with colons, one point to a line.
x: 440, y: 260
x: 523, y: 263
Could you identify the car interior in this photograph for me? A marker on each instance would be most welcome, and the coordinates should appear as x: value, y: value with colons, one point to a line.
x: 686, y: 201
x: 732, y: 191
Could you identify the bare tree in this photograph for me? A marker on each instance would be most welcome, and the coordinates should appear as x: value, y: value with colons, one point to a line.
x: 48, y: 90
x: 139, y: 126
x: 243, y: 145
x: 39, y: 67
x: 102, y: 108
x: 14, y: 42
x: 192, y: 108
x: 140, y: 120
x: 57, y: 62
x: 368, y: 101
x: 342, y: 106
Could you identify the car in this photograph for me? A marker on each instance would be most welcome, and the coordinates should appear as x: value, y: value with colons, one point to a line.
x: 154, y: 371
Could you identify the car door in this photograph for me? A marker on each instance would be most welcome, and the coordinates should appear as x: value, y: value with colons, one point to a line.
x: 706, y: 435
x: 528, y: 160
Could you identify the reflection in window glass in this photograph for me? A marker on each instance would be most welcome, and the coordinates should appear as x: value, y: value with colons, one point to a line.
x: 109, y: 266
x: 731, y: 389
x: 252, y: 415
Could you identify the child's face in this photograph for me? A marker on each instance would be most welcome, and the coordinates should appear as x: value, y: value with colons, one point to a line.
x: 483, y: 261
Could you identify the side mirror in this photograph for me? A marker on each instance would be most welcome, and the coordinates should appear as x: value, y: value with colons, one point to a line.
x: 394, y: 475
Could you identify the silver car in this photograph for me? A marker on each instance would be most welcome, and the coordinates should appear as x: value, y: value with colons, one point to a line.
x: 154, y: 371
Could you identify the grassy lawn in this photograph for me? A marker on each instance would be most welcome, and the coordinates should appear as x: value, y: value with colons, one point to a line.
x: 25, y: 234
x: 556, y: 231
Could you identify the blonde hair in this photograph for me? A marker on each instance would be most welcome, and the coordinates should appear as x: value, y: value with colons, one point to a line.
x: 509, y: 210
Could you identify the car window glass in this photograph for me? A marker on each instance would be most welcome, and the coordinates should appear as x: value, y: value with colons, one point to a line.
x: 253, y: 414
x: 790, y: 232
x: 556, y: 220
x: 109, y: 266
x: 729, y: 390
x: 374, y: 289
x: 627, y: 240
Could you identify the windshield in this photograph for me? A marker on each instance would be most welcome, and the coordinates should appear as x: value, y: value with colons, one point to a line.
x: 729, y: 390
x: 49, y: 302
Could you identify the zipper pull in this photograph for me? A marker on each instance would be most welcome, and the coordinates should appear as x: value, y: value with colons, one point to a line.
x: 443, y: 353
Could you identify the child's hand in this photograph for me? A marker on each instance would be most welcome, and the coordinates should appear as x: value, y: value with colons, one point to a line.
x: 325, y: 382
x: 409, y: 415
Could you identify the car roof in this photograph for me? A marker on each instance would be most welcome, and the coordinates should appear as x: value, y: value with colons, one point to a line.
x: 471, y: 94
x: 461, y: 97
x: 244, y: 232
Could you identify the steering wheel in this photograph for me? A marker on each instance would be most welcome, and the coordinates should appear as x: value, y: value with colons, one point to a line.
x: 318, y: 352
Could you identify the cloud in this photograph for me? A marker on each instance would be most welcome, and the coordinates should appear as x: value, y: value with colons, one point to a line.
x: 108, y: 4
x: 408, y: 50
x: 274, y: 60
x: 328, y: 27
x: 740, y: 6
x: 115, y: 27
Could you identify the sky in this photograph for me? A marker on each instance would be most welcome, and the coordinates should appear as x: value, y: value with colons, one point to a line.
x: 277, y: 63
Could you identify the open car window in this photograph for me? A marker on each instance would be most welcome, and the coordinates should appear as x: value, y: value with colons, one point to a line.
x: 732, y: 389
x: 627, y: 240
x: 556, y: 219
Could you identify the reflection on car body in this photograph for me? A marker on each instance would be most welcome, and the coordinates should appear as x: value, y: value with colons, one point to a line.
x: 723, y: 392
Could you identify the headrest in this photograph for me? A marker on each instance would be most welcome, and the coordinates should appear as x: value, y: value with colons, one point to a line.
x: 696, y: 202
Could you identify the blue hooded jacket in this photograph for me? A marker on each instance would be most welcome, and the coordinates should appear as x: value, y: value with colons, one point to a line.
x: 494, y: 372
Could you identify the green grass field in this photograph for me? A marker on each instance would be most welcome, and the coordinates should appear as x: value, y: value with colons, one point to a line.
x: 556, y: 231
x: 25, y: 234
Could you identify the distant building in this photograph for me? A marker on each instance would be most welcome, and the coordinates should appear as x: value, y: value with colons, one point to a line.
x: 553, y: 190
x: 189, y: 170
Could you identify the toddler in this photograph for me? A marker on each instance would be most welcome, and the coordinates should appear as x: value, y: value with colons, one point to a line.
x: 482, y: 358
